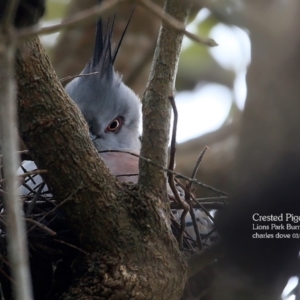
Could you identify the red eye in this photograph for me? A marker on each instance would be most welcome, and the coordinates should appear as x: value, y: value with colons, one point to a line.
x: 114, y: 125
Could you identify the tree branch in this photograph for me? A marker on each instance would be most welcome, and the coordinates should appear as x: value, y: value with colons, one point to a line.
x: 156, y: 104
x: 173, y: 22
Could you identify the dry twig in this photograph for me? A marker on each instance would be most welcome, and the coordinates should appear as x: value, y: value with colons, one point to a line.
x: 184, y: 204
x: 75, y: 76
x: 178, y: 175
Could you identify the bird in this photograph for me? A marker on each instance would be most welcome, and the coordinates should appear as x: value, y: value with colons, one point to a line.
x: 113, y: 112
x: 111, y: 109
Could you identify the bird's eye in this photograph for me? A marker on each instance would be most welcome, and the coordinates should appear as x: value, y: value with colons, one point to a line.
x: 114, y: 125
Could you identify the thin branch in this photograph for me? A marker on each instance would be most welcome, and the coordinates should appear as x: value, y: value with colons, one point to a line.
x: 193, y: 176
x: 174, y: 134
x: 204, y: 209
x: 189, y: 196
x: 127, y: 175
x: 57, y: 206
x: 212, y: 199
x: 89, y: 15
x: 36, y: 197
x: 196, y: 229
x: 4, y: 273
x: 28, y: 174
x: 71, y: 246
x: 24, y: 154
x: 174, y: 23
x: 181, y: 201
x: 83, y: 18
x: 207, y: 205
x: 178, y: 175
x: 41, y: 226
x: 35, y: 172
x: 75, y: 76
x: 208, y: 187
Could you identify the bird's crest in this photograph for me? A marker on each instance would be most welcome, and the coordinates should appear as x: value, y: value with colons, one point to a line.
x: 104, y: 56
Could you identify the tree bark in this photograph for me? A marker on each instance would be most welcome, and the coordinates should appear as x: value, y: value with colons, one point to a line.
x: 156, y: 102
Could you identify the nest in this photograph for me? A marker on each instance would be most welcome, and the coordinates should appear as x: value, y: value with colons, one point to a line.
x: 53, y: 246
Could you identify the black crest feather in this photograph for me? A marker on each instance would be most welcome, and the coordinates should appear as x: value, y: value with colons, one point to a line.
x: 104, y: 56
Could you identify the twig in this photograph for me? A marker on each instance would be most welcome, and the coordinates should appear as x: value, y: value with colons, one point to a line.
x: 183, y: 204
x: 210, y: 233
x: 36, y: 197
x: 188, y: 196
x: 212, y: 199
x: 28, y: 188
x: 57, y: 206
x: 70, y: 245
x: 188, y: 238
x: 204, y: 209
x: 85, y: 17
x: 196, y: 229
x: 19, y: 152
x: 207, y: 205
x: 193, y: 176
x: 75, y: 76
x: 219, y: 192
x: 171, y: 21
x: 3, y: 221
x: 178, y: 175
x: 28, y: 174
x: 7, y: 276
x: 37, y: 224
x: 173, y: 138
x: 35, y: 172
x: 127, y: 175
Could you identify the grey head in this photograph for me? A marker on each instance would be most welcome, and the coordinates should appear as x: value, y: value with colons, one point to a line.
x: 111, y: 109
